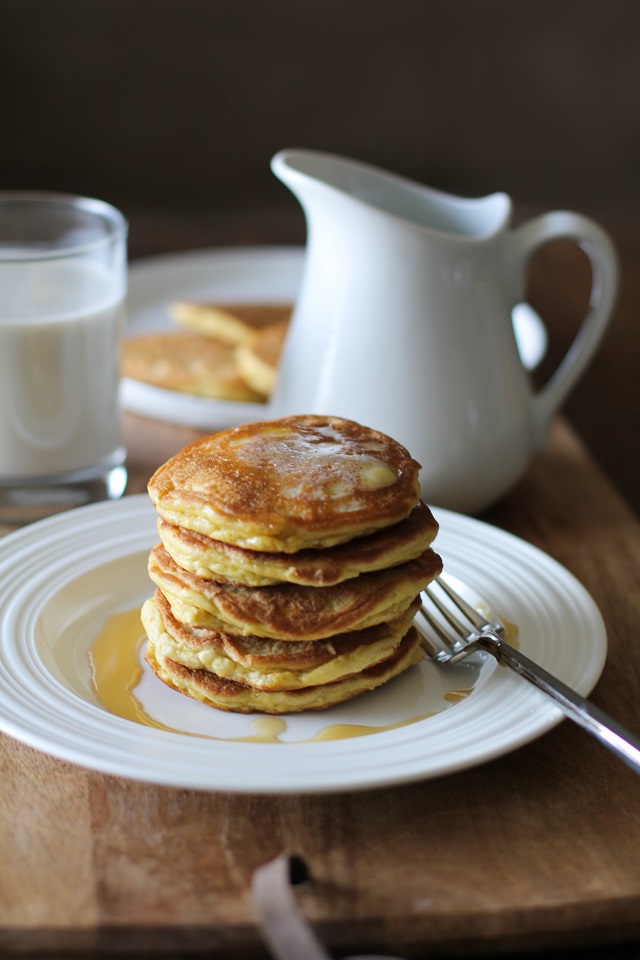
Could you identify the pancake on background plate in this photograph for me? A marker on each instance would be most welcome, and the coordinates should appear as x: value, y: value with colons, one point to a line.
x: 188, y: 363
x: 292, y: 556
x: 258, y: 357
x: 231, y: 323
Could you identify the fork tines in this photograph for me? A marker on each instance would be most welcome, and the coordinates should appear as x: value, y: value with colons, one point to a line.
x: 441, y: 606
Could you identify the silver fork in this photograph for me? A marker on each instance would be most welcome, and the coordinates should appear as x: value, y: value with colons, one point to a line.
x: 456, y: 638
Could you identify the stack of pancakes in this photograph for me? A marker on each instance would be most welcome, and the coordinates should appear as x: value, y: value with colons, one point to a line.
x: 291, y: 558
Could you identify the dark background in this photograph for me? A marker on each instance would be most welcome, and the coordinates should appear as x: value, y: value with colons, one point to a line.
x: 172, y: 110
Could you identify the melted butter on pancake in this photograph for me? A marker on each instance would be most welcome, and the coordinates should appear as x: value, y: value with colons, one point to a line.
x: 376, y: 475
x: 321, y: 463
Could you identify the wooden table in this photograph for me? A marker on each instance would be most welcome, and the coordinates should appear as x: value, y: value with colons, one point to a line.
x: 540, y: 847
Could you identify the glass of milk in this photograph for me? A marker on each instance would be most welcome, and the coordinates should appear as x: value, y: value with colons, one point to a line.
x: 63, y: 280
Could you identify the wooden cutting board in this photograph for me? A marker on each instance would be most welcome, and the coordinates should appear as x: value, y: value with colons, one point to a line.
x: 539, y: 847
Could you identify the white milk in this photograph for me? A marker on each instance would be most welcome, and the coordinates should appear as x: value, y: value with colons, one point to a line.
x: 60, y: 325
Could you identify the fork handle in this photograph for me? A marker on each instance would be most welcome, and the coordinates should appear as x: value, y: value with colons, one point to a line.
x: 595, y: 721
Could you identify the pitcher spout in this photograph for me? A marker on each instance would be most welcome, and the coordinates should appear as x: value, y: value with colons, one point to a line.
x: 309, y: 174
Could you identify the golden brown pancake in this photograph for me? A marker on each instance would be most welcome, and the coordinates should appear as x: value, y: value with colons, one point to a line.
x: 232, y: 323
x: 258, y: 357
x: 188, y: 363
x: 230, y: 695
x: 226, y: 563
x: 271, y: 664
x: 290, y: 484
x: 289, y: 611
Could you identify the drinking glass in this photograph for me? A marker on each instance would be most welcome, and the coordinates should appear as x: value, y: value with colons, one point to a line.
x: 63, y: 281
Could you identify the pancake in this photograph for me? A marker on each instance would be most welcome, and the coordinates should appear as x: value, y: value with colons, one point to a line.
x: 231, y: 323
x: 229, y: 695
x: 289, y: 611
x: 271, y: 664
x: 289, y: 484
x: 188, y: 363
x: 258, y: 357
x: 226, y: 563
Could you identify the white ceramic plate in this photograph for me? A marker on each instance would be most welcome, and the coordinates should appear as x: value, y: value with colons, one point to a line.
x: 259, y: 274
x: 62, y: 578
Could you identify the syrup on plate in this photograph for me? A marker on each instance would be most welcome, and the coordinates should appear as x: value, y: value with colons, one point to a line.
x: 116, y: 671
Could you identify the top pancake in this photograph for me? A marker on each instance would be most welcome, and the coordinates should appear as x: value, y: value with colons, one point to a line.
x: 289, y: 484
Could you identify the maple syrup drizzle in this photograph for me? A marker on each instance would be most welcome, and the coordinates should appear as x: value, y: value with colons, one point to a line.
x: 455, y: 696
x: 510, y: 633
x: 114, y: 660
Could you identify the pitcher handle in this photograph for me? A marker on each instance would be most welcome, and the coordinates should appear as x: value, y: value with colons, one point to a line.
x: 604, y: 284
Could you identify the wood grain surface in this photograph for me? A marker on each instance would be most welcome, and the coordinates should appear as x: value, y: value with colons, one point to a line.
x: 539, y: 847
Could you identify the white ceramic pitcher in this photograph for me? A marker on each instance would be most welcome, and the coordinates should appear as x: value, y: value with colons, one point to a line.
x: 403, y: 322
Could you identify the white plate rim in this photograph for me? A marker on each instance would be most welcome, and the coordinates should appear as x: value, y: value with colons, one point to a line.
x: 477, y: 730
x: 255, y: 273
